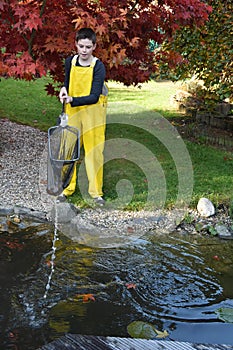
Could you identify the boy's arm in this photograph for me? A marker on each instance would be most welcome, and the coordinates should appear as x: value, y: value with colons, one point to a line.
x: 96, y: 89
x: 64, y: 90
x: 67, y: 72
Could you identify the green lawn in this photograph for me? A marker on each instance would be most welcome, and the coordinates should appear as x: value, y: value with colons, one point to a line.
x: 151, y: 95
x: 26, y: 102
x: 147, y: 162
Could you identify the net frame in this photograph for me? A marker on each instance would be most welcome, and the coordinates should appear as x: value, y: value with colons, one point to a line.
x: 63, y: 153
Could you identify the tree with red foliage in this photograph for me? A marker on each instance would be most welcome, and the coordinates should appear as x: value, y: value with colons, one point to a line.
x: 36, y: 36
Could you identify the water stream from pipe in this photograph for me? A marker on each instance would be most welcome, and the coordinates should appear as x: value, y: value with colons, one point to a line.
x: 53, y: 254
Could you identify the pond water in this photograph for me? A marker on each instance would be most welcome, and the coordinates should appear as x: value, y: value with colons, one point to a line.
x: 175, y: 282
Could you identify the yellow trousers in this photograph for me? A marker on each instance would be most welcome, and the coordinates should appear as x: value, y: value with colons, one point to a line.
x: 91, y: 121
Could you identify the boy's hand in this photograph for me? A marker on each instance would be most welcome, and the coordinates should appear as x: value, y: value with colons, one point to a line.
x: 69, y: 99
x: 63, y: 94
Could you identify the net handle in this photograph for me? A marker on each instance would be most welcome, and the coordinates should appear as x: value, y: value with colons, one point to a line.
x: 63, y: 107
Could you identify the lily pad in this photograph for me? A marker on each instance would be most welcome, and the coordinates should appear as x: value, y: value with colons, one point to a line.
x: 140, y: 329
x: 225, y: 314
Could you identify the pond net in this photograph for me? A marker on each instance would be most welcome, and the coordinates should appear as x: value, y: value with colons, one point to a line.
x: 63, y: 152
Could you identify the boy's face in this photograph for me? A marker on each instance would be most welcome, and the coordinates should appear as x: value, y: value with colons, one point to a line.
x: 85, y: 48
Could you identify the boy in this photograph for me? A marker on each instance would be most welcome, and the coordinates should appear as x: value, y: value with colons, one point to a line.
x: 84, y: 93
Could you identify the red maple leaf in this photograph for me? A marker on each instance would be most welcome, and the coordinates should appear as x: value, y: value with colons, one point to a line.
x: 131, y: 285
x: 216, y: 257
x: 14, y: 245
x: 33, y: 22
x: 101, y: 29
x: 88, y: 297
x: 50, y: 89
x: 84, y: 297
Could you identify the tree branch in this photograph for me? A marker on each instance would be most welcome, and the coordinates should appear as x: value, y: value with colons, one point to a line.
x: 133, y: 7
x: 30, y: 41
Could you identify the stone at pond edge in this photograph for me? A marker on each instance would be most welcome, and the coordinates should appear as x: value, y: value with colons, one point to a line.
x: 65, y: 212
x: 24, y: 212
x: 30, y: 213
x: 223, y: 231
x: 205, y: 207
x: 6, y: 211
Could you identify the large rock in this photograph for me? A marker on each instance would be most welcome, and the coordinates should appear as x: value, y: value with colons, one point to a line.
x: 63, y: 213
x: 205, y: 207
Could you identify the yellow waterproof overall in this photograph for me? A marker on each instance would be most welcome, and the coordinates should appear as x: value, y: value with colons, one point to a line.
x: 91, y: 121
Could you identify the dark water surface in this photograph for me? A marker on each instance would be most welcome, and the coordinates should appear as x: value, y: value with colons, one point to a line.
x: 176, y: 282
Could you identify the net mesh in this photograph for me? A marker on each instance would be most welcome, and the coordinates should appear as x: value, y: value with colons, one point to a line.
x: 63, y: 152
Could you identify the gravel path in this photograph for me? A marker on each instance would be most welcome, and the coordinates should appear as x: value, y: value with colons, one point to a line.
x: 21, y: 148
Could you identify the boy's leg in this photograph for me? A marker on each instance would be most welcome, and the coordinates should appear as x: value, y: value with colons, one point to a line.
x: 93, y: 141
x: 69, y: 190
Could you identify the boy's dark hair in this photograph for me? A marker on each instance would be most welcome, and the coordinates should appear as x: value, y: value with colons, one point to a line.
x: 86, y: 33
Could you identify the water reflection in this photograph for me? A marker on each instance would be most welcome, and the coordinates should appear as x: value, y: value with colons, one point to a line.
x: 175, y: 282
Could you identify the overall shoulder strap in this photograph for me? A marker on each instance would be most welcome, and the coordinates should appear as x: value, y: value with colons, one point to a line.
x: 93, y: 61
x: 74, y: 60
